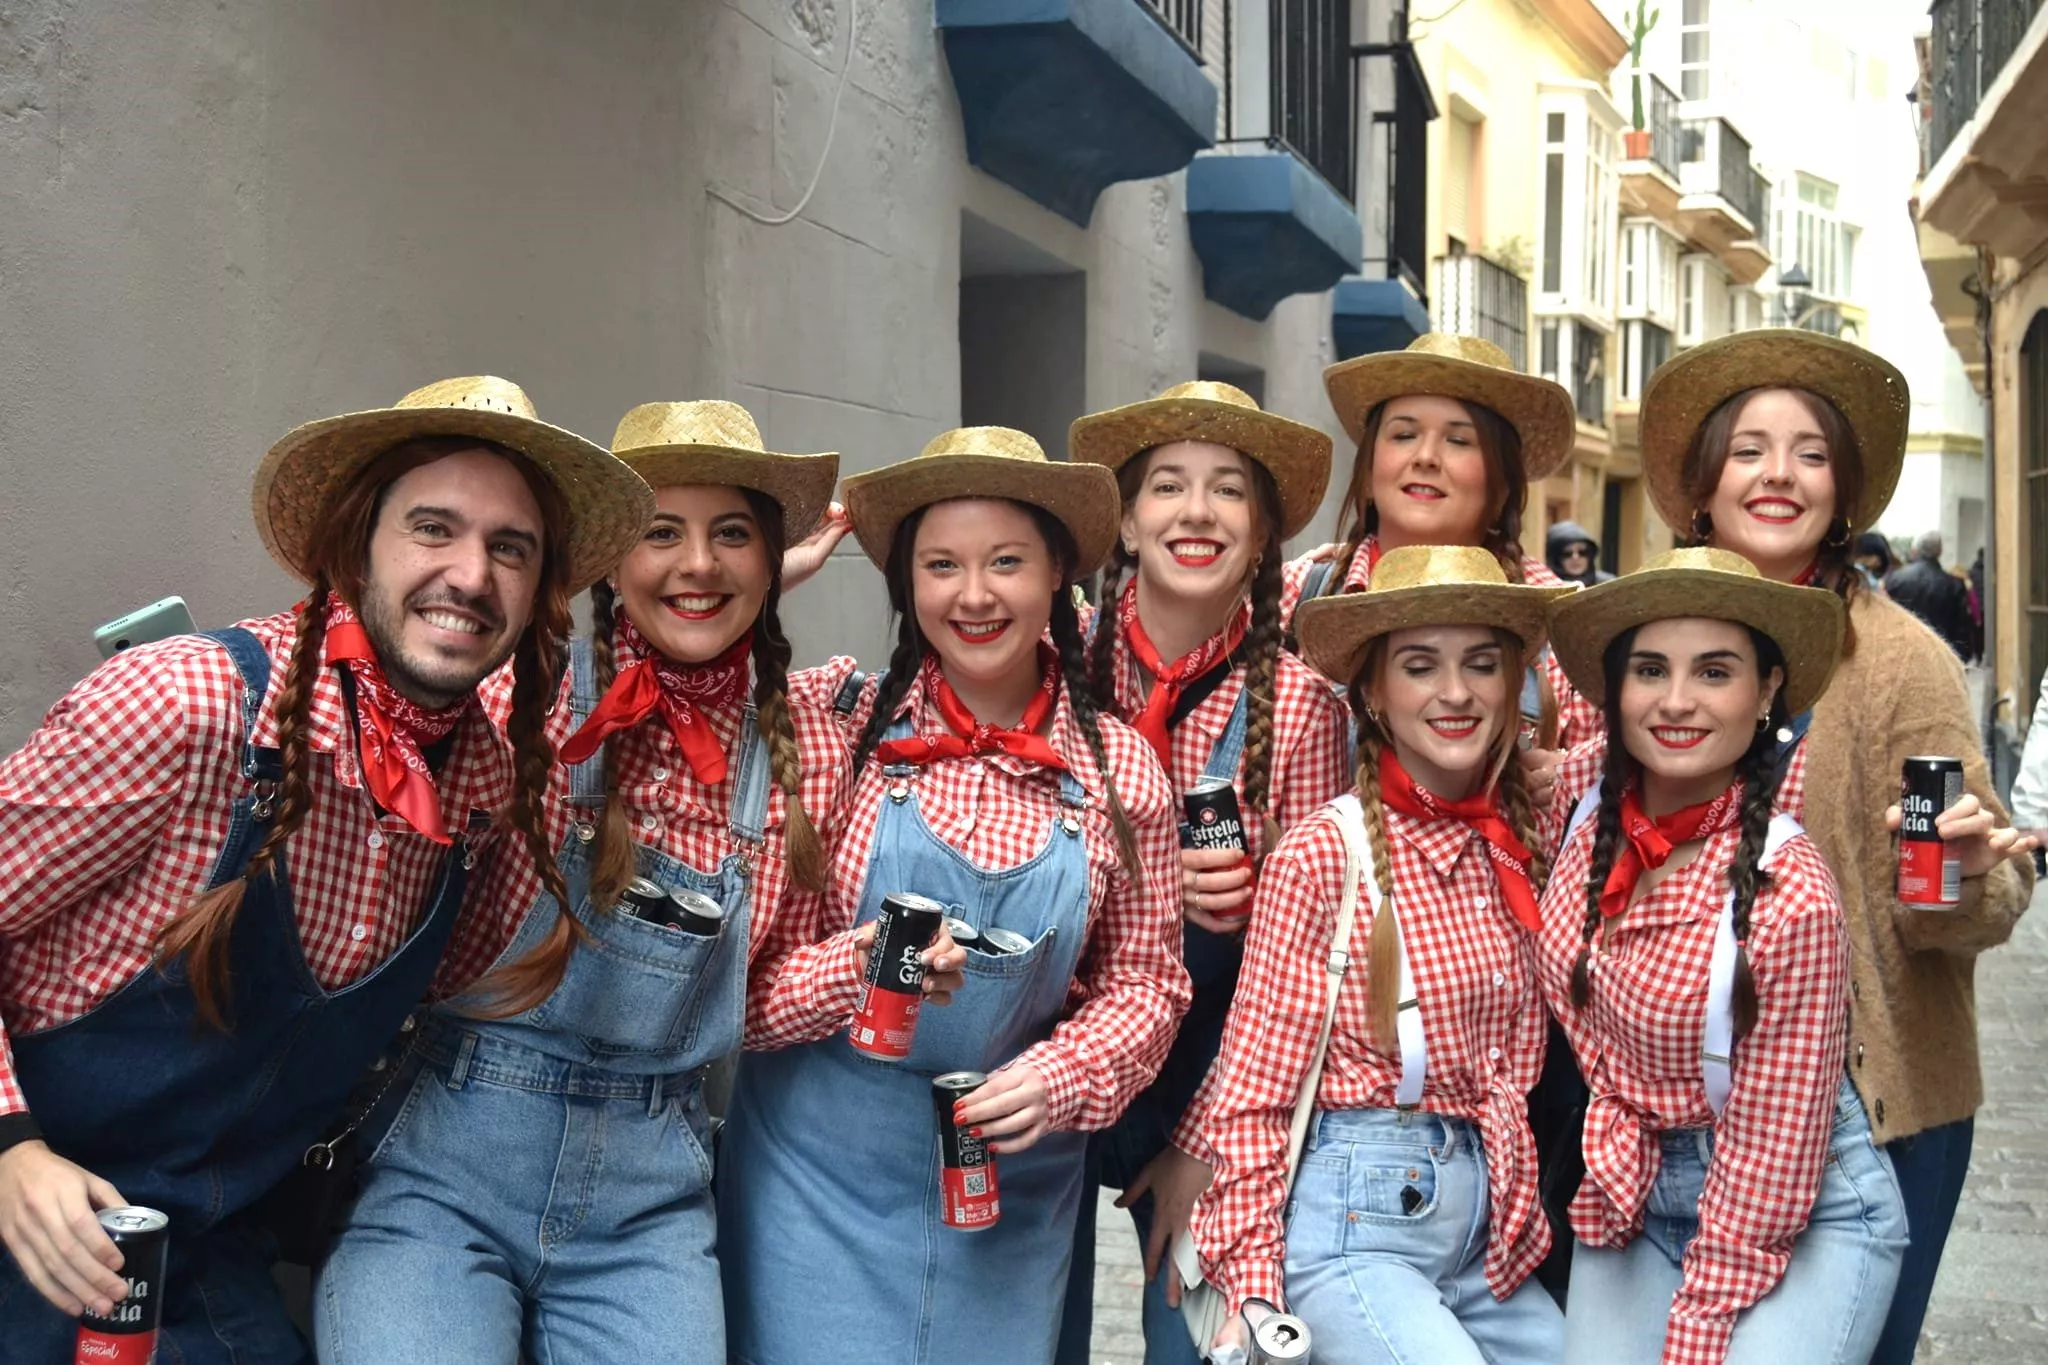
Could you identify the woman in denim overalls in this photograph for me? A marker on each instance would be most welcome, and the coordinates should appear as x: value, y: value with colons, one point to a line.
x: 984, y: 782
x: 545, y: 1184
x: 1188, y: 650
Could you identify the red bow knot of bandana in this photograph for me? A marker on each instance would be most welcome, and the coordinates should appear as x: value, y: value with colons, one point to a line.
x: 1647, y: 843
x: 1169, y: 680
x: 391, y: 729
x: 685, y: 694
x: 1481, y: 814
x: 969, y: 736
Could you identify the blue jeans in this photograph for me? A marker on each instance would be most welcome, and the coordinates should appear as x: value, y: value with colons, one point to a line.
x: 475, y: 1235
x: 1931, y: 1166
x: 1836, y: 1291
x: 1386, y: 1249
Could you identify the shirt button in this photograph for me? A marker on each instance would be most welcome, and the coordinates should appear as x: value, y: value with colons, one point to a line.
x: 1493, y: 1054
x: 359, y: 933
x: 376, y: 838
x: 1500, y: 978
x: 649, y: 823
x: 661, y: 774
x: 1479, y: 904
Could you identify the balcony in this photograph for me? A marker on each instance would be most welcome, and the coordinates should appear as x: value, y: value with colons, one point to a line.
x: 1386, y: 312
x: 1650, y: 184
x: 1062, y: 98
x: 1988, y: 74
x: 1183, y: 19
x: 1475, y: 297
x: 1724, y: 202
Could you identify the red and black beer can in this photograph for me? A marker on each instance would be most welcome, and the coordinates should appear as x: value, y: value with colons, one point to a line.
x: 1930, y: 873
x: 967, y: 1171
x: 126, y: 1334
x: 892, y: 987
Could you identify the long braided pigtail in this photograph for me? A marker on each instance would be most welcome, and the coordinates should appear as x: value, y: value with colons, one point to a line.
x: 1617, y: 770
x: 771, y: 707
x: 612, y: 861
x: 1066, y: 637
x: 1746, y: 874
x: 1102, y: 648
x: 1383, y: 950
x: 1262, y: 662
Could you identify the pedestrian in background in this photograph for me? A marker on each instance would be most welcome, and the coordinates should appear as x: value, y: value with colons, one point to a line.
x: 1573, y: 554
x: 1935, y: 595
x: 1874, y: 557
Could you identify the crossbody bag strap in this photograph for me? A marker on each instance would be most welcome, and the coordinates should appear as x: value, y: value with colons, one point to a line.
x: 1358, y: 872
x: 1717, y: 1041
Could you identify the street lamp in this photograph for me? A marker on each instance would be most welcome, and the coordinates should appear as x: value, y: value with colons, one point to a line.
x: 1794, y: 285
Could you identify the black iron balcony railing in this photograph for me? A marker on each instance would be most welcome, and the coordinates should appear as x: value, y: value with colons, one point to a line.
x: 1473, y: 296
x: 1183, y: 19
x: 1394, y: 143
x: 1973, y: 39
x: 1311, y: 86
x: 1736, y: 180
x: 1663, y: 113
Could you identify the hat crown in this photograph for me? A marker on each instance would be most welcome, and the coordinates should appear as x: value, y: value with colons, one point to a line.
x: 481, y: 392
x: 1457, y: 346
x: 1427, y: 566
x: 1213, y: 391
x: 1003, y: 442
x: 702, y: 422
x: 1701, y: 557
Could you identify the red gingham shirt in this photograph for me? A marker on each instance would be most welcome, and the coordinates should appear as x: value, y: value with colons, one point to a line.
x: 1130, y: 989
x: 1577, y: 719
x: 1474, y: 971
x: 669, y: 810
x: 114, y: 812
x: 1638, y: 1043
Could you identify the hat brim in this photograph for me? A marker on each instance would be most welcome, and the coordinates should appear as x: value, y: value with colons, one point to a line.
x: 1334, y: 631
x: 1083, y: 497
x: 1868, y: 390
x: 1296, y: 455
x: 1806, y: 623
x: 296, y: 485
x: 1540, y: 411
x: 802, y: 484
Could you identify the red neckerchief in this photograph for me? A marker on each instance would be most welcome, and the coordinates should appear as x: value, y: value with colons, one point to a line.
x: 1372, y: 557
x: 970, y: 736
x: 391, y: 729
x: 685, y: 693
x: 1807, y: 575
x: 1480, y: 814
x: 1646, y: 843
x: 1169, y: 680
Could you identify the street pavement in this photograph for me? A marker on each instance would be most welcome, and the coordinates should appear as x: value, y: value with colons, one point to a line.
x: 1991, y: 1302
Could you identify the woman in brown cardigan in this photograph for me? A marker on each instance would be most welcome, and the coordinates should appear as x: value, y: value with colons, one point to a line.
x: 1780, y: 446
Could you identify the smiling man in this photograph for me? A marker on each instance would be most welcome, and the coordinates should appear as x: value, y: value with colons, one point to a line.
x: 231, y: 863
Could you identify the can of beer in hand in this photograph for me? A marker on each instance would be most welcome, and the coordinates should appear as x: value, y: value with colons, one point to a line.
x: 892, y: 986
x: 1001, y: 942
x: 967, y: 1171
x: 1212, y: 816
x: 126, y: 1333
x: 1930, y: 873
x: 1277, y: 1338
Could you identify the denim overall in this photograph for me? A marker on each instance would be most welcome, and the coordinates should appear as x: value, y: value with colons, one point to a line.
x: 546, y: 1184
x: 829, y: 1226
x: 199, y: 1123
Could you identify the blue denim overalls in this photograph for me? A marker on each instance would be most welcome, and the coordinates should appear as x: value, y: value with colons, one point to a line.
x: 546, y: 1184
x: 828, y: 1189
x: 199, y: 1123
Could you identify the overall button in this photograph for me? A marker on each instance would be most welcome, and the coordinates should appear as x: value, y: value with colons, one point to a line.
x: 899, y: 793
x: 1071, y: 825
x: 376, y: 838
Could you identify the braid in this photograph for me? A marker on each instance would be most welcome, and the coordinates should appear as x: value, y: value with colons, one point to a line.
x: 1607, y: 833
x: 1102, y: 678
x: 771, y: 706
x: 904, y: 661
x: 1066, y: 636
x: 1383, y: 954
x: 1758, y: 773
x: 1262, y: 662
x: 1521, y: 817
x: 200, y: 934
x: 612, y: 863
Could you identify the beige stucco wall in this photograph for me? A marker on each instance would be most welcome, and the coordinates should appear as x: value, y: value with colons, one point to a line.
x: 223, y: 219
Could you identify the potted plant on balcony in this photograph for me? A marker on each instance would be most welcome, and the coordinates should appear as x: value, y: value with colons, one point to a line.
x: 1636, y: 142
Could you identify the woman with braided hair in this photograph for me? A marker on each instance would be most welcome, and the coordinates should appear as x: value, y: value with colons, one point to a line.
x: 1734, y: 1205
x: 1406, y: 1227
x: 686, y: 772
x: 985, y: 779
x: 1189, y: 653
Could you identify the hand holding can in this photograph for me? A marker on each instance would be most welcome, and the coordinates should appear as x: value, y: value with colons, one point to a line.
x: 126, y: 1333
x: 967, y: 1170
x: 892, y: 983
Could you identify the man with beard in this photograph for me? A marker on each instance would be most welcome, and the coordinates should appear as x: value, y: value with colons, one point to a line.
x: 231, y: 863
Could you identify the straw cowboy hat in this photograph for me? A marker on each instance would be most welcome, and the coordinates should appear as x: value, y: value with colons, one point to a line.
x: 1869, y: 392
x: 987, y: 462
x: 1717, y: 584
x: 1297, y: 456
x: 715, y: 442
x: 1470, y: 370
x: 299, y: 479
x: 1421, y: 585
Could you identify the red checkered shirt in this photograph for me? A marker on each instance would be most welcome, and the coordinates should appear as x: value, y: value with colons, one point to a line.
x: 1577, y: 718
x: 669, y: 810
x: 1475, y: 977
x: 113, y: 815
x: 1130, y: 989
x: 1638, y: 1043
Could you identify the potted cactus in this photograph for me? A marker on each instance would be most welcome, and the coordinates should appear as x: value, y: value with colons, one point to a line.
x: 1636, y: 142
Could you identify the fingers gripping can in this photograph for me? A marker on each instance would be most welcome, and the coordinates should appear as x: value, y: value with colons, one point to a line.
x: 1930, y: 872
x: 126, y: 1334
x: 892, y: 986
x: 967, y: 1171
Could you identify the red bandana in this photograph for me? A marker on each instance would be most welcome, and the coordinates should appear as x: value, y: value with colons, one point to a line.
x: 1372, y: 557
x: 1169, y: 680
x: 685, y: 694
x: 1807, y: 575
x: 1481, y: 814
x: 390, y: 728
x: 1646, y: 843
x: 970, y: 736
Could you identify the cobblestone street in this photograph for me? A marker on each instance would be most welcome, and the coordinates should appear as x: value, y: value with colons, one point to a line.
x: 1991, y: 1303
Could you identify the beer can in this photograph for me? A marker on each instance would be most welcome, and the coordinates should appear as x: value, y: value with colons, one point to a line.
x: 1277, y: 1338
x: 1002, y: 942
x: 1930, y: 872
x: 892, y: 985
x: 964, y: 934
x: 644, y: 899
x: 693, y: 912
x: 1212, y: 816
x: 967, y: 1170
x: 126, y: 1333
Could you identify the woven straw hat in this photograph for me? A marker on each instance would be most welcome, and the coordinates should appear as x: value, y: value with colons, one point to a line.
x: 1297, y: 456
x: 1421, y: 585
x: 302, y: 474
x: 1870, y: 393
x: 1470, y: 370
x: 715, y: 442
x: 1807, y: 623
x: 987, y: 462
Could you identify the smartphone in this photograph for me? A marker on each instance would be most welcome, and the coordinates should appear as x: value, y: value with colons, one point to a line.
x: 157, y: 621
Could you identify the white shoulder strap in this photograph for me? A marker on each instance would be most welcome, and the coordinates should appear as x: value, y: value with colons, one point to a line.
x: 1408, y: 1012
x: 1717, y: 1044
x: 1581, y: 813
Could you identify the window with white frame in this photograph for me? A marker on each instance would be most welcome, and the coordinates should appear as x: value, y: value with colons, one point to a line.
x: 1704, y: 307
x: 1580, y: 217
x: 1644, y: 346
x: 1649, y: 272
x: 1811, y: 234
x: 1694, y: 68
x: 1573, y: 352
